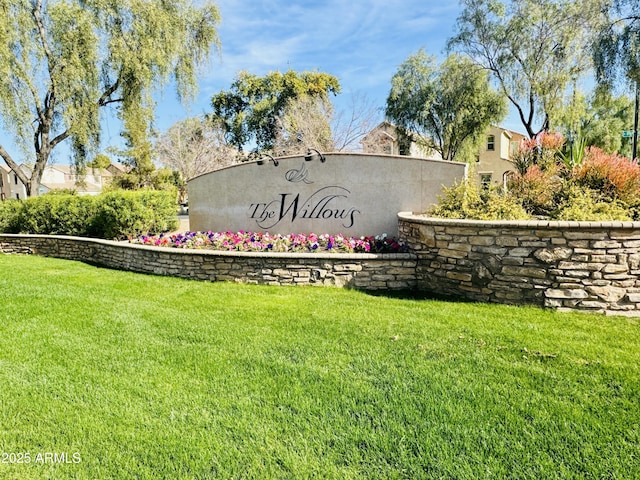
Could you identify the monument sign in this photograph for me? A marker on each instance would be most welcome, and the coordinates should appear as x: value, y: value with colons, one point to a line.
x: 353, y: 194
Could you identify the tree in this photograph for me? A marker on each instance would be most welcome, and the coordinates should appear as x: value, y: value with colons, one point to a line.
x: 63, y: 61
x: 598, y: 120
x: 251, y: 111
x: 617, y: 47
x: 534, y: 49
x: 304, y: 122
x: 195, y: 146
x: 350, y: 125
x: 617, y: 51
x: 313, y: 122
x: 446, y: 105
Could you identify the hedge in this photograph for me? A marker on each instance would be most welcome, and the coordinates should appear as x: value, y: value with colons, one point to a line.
x: 112, y: 215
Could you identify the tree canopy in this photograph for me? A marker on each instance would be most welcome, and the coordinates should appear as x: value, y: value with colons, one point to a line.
x: 304, y: 123
x: 194, y: 146
x: 445, y: 105
x: 617, y: 47
x: 62, y: 61
x: 598, y: 120
x: 251, y: 111
x: 534, y: 49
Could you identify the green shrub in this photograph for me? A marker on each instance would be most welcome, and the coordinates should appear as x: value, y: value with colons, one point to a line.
x: 125, y: 214
x: 582, y: 204
x: 500, y: 205
x: 585, y: 185
x: 117, y: 214
x: 459, y: 201
x: 10, y: 216
x: 57, y: 214
x: 465, y: 200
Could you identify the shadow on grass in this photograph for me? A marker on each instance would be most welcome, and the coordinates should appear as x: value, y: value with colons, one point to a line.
x: 414, y: 294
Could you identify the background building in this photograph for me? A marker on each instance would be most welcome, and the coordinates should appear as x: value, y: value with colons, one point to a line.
x: 494, y: 161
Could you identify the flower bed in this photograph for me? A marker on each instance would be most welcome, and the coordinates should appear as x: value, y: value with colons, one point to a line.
x: 266, y: 242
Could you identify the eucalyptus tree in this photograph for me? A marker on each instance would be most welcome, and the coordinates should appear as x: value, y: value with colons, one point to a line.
x: 534, y: 49
x: 62, y: 61
x: 251, y: 111
x: 443, y: 107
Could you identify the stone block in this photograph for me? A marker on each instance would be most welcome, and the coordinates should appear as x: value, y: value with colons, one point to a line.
x: 592, y: 267
x: 607, y: 293
x: 606, y: 244
x: 585, y: 235
x: 534, y: 244
x: 507, y: 241
x: 632, y: 234
x: 520, y: 252
x: 633, y: 297
x: 531, y: 272
x: 492, y: 250
x: 574, y: 293
x: 578, y: 243
x: 615, y: 268
x: 593, y: 304
x: 462, y: 277
x: 482, y: 240
x: 552, y: 255
x: 462, y: 247
x: 580, y: 258
x: 513, y: 261
x: 448, y: 253
x: 604, y: 258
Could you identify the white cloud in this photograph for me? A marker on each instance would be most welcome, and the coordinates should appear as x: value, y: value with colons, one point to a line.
x: 362, y: 42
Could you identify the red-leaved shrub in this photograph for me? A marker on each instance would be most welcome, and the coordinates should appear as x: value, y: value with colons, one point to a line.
x: 536, y: 189
x: 615, y: 177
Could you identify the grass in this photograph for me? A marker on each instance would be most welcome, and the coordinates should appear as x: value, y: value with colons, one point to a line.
x: 149, y: 377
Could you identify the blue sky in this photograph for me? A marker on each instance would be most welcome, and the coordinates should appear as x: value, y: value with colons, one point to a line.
x: 362, y: 42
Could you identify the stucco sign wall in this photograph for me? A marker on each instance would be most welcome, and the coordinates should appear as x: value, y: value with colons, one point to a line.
x: 353, y: 194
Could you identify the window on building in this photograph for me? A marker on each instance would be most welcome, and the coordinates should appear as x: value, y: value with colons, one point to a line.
x: 491, y: 142
x: 513, y: 149
x: 506, y: 178
x: 15, y: 178
x: 485, y: 180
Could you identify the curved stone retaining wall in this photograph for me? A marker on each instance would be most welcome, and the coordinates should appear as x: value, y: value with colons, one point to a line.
x: 361, y: 271
x: 587, y: 266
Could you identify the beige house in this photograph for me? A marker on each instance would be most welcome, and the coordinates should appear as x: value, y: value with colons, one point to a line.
x: 493, y: 164
x: 384, y: 139
x: 59, y: 177
x: 10, y: 185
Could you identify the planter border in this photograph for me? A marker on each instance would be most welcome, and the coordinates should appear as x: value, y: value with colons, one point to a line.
x: 364, y: 271
x: 572, y: 266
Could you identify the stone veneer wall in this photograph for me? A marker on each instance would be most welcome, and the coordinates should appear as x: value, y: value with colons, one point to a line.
x: 586, y: 266
x: 360, y: 271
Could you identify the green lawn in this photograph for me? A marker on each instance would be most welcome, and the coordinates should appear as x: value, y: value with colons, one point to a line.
x: 134, y: 376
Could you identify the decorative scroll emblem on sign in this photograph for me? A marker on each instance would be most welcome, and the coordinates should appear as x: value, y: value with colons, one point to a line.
x: 326, y: 203
x: 298, y: 175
